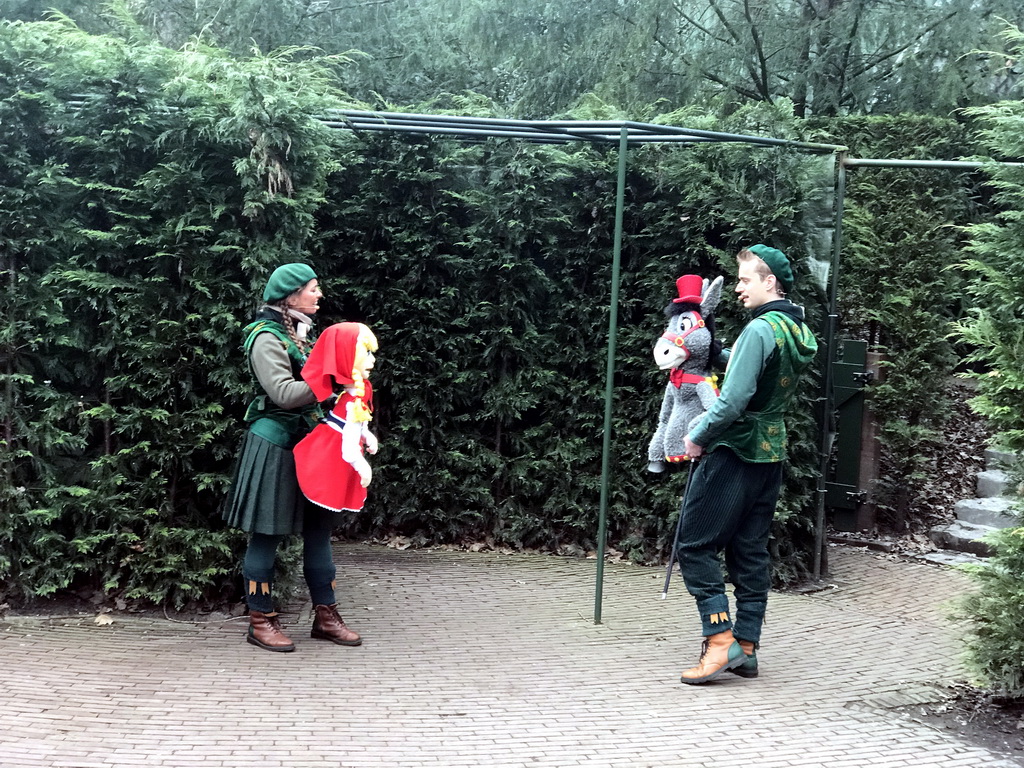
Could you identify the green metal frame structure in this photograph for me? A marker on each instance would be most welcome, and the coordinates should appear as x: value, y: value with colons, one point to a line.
x: 623, y: 134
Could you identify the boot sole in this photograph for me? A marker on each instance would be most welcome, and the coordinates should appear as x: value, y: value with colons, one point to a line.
x: 276, y: 649
x: 747, y: 674
x: 729, y: 666
x: 324, y: 636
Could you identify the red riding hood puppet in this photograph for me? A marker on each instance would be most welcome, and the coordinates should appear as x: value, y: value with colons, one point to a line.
x: 329, y: 461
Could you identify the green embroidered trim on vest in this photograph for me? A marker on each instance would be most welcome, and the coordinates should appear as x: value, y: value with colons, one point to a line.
x: 269, y: 326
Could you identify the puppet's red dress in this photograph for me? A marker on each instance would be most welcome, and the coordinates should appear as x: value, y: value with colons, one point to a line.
x: 326, y: 458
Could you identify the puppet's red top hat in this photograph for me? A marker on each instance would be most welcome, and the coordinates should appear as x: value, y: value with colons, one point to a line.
x: 689, y: 287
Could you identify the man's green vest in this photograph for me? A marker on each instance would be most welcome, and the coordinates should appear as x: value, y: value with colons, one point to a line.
x: 759, y: 435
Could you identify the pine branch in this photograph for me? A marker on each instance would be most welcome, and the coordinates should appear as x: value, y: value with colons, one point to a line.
x: 312, y: 14
x: 762, y: 78
x: 848, y: 50
x: 761, y: 92
x: 704, y: 72
x: 655, y: 35
x: 693, y: 22
x: 725, y: 23
x: 892, y: 54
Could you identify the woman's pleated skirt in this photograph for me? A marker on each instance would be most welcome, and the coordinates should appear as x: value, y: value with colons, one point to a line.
x: 265, y: 496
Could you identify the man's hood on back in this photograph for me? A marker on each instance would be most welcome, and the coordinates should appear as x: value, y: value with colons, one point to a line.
x: 806, y: 346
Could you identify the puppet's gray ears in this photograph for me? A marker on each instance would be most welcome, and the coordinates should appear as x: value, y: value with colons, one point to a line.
x: 711, y: 295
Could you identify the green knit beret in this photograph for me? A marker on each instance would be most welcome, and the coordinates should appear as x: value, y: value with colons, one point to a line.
x: 777, y: 263
x: 287, y: 279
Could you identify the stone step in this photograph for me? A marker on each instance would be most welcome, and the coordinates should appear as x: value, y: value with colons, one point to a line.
x: 996, y: 512
x: 992, y: 482
x: 963, y: 537
x: 949, y: 557
x: 997, y: 458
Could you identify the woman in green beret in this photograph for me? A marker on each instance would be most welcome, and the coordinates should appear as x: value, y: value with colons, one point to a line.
x: 265, y: 499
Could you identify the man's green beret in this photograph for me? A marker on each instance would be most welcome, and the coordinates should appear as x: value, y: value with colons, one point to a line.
x: 777, y: 263
x: 287, y: 279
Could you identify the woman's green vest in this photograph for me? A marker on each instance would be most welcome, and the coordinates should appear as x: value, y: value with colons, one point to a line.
x: 265, y: 418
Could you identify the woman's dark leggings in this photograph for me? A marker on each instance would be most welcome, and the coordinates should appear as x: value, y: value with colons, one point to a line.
x: 317, y: 565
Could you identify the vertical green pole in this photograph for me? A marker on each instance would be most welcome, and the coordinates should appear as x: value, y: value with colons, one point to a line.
x: 830, y: 356
x: 613, y: 325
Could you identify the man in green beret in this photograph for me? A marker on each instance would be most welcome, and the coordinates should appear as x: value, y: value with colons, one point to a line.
x: 741, y: 444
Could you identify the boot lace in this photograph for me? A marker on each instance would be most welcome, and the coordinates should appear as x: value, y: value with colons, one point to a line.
x: 704, y: 649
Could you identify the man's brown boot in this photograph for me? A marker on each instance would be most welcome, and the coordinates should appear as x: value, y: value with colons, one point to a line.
x: 265, y: 631
x: 328, y: 625
x: 719, y: 653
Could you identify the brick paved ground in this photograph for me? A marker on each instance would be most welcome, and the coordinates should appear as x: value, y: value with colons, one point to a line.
x: 494, y: 660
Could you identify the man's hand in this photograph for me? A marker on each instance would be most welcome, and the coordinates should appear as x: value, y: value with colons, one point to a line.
x: 693, y: 450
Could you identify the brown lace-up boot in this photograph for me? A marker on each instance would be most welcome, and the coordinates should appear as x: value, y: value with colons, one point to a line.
x: 265, y: 631
x: 328, y: 625
x: 719, y: 653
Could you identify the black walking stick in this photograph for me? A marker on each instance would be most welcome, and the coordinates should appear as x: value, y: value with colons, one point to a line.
x: 679, y: 525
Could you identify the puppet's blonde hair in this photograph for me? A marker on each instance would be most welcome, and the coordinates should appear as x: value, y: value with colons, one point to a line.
x: 366, y: 342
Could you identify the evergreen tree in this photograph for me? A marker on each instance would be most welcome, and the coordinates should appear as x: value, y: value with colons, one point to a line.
x: 536, y: 58
x: 995, y: 640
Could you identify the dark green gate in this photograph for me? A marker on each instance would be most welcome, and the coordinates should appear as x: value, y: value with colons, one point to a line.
x: 854, y: 459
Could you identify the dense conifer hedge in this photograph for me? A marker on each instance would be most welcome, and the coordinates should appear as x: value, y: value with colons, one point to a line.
x: 147, y: 193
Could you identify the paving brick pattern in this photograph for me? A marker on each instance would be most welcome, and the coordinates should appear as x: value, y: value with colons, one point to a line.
x: 494, y: 660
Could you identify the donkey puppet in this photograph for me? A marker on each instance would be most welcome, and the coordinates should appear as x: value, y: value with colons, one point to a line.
x: 685, y: 350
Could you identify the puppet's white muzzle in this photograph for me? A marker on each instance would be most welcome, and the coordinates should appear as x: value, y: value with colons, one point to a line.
x: 668, y: 355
